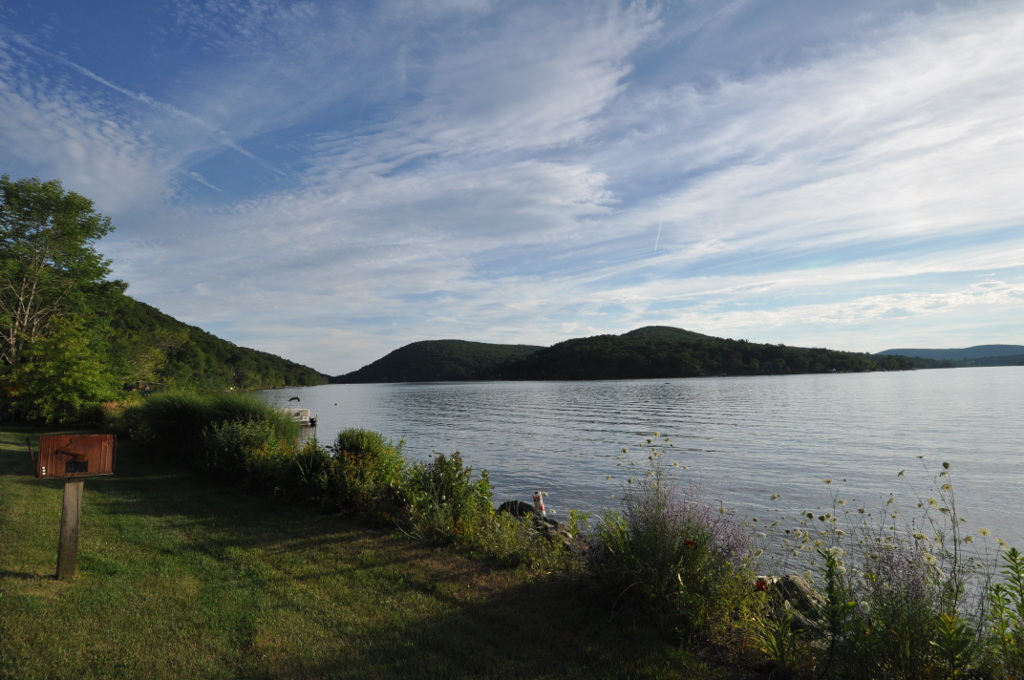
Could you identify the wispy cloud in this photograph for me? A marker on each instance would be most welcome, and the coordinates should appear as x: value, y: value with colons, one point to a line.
x: 370, y: 175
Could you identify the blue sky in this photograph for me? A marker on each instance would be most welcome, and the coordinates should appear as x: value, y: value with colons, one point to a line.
x: 329, y: 181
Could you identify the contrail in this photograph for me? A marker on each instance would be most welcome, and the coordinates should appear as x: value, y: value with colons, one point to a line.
x: 144, y: 98
x: 657, y: 239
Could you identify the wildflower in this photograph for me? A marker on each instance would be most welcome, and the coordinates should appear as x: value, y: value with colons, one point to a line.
x: 902, y: 472
x: 930, y: 559
x: 827, y: 481
x: 945, y: 465
x: 947, y: 487
x: 984, y: 533
x: 1002, y: 544
x: 761, y: 585
x: 775, y: 496
x: 919, y: 536
x: 968, y: 539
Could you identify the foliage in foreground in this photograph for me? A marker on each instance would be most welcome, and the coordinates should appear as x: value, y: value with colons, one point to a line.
x: 180, y: 577
x: 242, y: 441
x: 884, y: 597
x: 676, y: 555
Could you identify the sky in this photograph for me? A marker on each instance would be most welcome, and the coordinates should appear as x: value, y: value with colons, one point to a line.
x: 329, y: 181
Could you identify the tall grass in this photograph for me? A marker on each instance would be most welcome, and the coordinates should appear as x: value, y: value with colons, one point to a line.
x: 176, y: 425
x: 675, y: 555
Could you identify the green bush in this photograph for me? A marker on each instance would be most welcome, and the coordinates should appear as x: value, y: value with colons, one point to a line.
x: 674, y: 555
x: 171, y: 424
x: 1006, y: 616
x: 510, y: 541
x: 368, y: 475
x: 231, y: 407
x: 230, y: 445
x: 181, y: 425
x: 444, y: 504
x: 903, y: 598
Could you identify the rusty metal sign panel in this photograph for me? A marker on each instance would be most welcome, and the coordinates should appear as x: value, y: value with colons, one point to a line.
x: 75, y: 455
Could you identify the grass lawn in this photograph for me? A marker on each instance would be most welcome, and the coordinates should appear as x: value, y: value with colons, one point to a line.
x: 180, y: 578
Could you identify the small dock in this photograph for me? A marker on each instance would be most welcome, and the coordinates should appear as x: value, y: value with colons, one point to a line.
x: 300, y: 415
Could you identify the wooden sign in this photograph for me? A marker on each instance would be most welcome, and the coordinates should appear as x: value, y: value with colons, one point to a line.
x: 72, y: 457
x: 75, y: 455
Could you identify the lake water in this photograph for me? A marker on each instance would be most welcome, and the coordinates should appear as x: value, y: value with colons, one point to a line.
x: 743, y: 438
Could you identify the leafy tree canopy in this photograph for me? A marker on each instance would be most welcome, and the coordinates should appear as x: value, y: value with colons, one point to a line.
x: 49, y: 267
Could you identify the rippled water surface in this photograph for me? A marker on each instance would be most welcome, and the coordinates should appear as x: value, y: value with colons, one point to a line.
x: 743, y: 438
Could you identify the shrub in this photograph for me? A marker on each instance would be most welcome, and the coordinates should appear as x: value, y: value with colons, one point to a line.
x: 230, y: 407
x: 675, y: 555
x: 178, y: 426
x: 901, y: 598
x: 444, y: 505
x: 1006, y: 616
x: 171, y: 424
x: 229, y: 446
x: 368, y: 474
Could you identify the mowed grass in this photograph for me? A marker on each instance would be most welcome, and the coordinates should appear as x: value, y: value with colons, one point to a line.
x: 179, y: 577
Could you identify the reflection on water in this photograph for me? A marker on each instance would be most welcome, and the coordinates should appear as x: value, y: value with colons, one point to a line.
x: 743, y: 438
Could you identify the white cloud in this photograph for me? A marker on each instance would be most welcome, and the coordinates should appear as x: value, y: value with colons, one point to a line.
x: 371, y: 176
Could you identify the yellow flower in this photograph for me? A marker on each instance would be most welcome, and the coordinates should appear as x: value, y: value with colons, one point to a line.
x: 984, y: 533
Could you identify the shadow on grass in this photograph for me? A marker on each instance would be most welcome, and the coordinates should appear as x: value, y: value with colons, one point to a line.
x: 333, y: 599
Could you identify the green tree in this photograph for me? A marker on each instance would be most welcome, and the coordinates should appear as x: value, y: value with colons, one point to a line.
x: 48, y: 265
x: 53, y: 292
x: 58, y: 375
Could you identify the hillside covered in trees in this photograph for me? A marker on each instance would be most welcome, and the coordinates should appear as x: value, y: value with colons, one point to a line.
x: 441, y: 360
x: 149, y: 346
x: 650, y: 352
x: 71, y: 339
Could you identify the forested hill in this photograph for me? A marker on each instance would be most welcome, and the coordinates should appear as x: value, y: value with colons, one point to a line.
x: 441, y: 360
x: 650, y: 352
x: 662, y: 352
x: 979, y: 355
x: 151, y: 347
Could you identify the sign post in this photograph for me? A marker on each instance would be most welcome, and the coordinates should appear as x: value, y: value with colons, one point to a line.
x: 73, y: 457
x: 67, y: 551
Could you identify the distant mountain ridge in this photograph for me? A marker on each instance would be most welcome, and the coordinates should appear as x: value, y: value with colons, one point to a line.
x: 978, y: 352
x: 441, y: 361
x: 649, y: 352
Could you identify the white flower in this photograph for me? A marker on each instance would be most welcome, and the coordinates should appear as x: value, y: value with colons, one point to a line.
x: 984, y: 533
